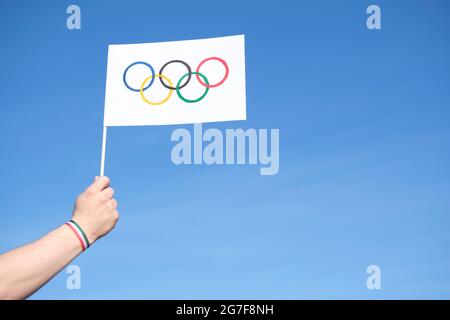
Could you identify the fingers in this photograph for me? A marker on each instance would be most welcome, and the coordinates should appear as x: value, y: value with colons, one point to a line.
x: 113, y: 203
x: 99, y: 184
x: 108, y: 193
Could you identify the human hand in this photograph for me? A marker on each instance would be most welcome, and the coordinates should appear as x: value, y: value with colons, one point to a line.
x: 96, y: 210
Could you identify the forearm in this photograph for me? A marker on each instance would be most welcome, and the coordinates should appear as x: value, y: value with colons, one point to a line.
x: 26, y: 269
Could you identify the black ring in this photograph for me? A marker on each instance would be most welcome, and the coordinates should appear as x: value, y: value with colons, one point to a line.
x: 188, y: 78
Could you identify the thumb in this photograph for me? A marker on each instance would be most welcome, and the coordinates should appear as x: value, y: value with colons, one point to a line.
x: 96, y: 178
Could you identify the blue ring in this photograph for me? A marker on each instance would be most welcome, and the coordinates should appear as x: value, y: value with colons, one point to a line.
x: 125, y: 76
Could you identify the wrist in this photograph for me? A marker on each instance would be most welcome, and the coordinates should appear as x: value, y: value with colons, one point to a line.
x: 86, y: 226
x: 83, y: 238
x: 66, y: 236
x: 91, y: 236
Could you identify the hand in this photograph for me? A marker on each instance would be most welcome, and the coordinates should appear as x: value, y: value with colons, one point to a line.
x: 96, y: 210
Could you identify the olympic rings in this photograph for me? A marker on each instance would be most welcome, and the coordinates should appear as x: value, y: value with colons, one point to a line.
x: 198, y: 99
x: 218, y: 83
x: 133, y: 64
x: 163, y: 79
x: 153, y: 78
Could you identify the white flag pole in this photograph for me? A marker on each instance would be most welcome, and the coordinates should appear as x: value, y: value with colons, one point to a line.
x: 102, y: 163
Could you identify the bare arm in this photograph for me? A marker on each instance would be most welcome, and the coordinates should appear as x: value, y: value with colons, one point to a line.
x: 26, y: 269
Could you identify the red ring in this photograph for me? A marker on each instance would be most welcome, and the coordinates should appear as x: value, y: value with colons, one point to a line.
x: 219, y: 83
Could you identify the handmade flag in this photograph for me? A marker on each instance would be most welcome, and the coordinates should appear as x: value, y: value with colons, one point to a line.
x: 176, y: 82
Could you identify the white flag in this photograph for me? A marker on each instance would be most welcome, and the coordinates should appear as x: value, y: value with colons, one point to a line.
x: 176, y: 82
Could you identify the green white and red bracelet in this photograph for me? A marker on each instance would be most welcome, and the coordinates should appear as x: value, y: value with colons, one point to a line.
x: 75, y: 227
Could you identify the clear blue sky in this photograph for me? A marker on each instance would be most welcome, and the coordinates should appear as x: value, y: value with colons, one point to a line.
x: 364, y: 152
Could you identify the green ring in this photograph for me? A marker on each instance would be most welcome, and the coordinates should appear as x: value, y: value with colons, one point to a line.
x: 198, y: 99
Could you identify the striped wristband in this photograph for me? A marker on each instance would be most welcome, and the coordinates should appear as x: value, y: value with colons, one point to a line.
x: 75, y: 227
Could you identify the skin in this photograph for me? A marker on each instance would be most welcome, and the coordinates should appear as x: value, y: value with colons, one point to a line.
x: 26, y: 269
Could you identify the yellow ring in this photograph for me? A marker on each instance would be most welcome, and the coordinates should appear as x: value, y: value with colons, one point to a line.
x: 162, y: 101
